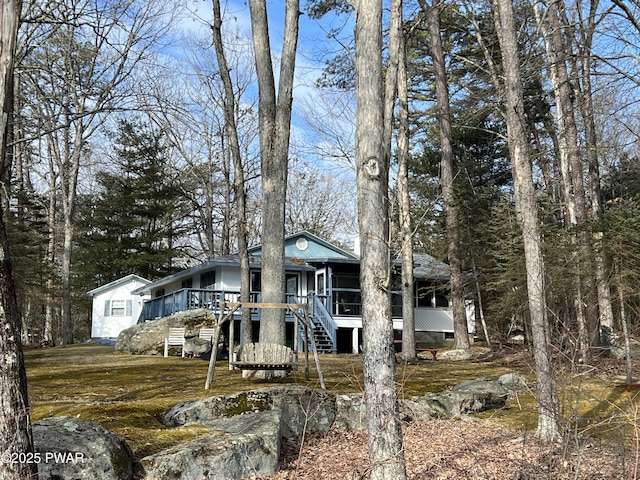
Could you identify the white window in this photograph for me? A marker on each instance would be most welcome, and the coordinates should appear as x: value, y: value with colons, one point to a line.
x: 117, y: 308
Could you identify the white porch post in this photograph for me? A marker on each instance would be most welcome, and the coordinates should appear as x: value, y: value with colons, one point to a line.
x: 355, y: 348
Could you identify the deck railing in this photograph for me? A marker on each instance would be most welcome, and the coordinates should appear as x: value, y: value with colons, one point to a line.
x: 194, y: 298
x: 186, y: 299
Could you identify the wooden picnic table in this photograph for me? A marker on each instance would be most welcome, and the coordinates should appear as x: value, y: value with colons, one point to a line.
x: 431, y: 350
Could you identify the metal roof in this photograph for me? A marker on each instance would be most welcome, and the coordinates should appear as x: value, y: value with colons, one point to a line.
x: 426, y: 266
x: 129, y: 278
x: 303, y: 249
x: 307, y: 246
x: 255, y: 261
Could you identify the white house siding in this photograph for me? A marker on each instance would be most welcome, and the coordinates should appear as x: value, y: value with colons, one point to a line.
x: 105, y: 325
x: 229, y: 279
x: 430, y: 320
x: 432, y: 323
x: 427, y: 320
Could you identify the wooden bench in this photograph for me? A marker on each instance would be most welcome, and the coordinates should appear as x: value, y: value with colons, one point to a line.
x: 264, y: 356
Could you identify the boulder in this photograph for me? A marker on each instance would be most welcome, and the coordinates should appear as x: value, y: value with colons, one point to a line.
x: 462, y: 354
x: 468, y: 397
x: 206, y: 410
x: 245, y: 445
x: 71, y: 448
x: 513, y: 382
x: 303, y: 409
x: 473, y: 396
x: 196, y: 347
x: 618, y: 347
x: 148, y: 338
x: 349, y: 411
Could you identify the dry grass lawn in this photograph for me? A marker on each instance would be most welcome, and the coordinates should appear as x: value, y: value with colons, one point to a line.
x: 129, y: 395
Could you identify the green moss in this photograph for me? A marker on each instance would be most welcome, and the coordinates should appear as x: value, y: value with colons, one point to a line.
x: 245, y: 403
x: 130, y: 394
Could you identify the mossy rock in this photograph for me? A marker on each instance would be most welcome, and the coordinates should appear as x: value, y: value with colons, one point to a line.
x: 148, y: 338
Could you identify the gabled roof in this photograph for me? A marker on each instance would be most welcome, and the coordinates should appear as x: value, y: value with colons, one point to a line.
x: 307, y: 247
x: 116, y: 283
x: 302, y: 251
x: 255, y: 261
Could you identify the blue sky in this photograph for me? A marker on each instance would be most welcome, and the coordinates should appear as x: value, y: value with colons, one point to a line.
x: 313, y: 43
x: 331, y: 150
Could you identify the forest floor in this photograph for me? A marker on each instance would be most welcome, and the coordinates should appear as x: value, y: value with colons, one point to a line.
x: 454, y: 450
x: 128, y: 394
x: 489, y: 448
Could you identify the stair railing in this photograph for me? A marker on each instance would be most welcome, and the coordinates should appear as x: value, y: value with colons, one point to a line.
x: 321, y: 316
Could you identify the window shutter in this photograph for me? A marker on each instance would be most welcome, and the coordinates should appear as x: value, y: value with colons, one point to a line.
x: 129, y: 308
x: 106, y: 308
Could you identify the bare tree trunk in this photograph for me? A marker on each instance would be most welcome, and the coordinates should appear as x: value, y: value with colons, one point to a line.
x: 480, y: 307
x: 49, y: 315
x: 585, y: 98
x: 586, y: 311
x: 625, y: 331
x: 275, y: 122
x: 396, y: 86
x: 239, y: 183
x: 404, y: 199
x: 15, y: 425
x: 386, y: 454
x: 461, y: 329
x: 69, y: 192
x: 548, y: 426
x: 227, y: 209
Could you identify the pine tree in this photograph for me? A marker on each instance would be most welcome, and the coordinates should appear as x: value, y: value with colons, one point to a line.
x: 134, y: 220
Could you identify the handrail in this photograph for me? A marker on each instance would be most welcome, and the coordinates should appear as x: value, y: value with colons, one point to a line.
x: 322, y: 315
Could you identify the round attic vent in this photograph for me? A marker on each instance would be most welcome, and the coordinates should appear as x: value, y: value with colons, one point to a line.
x: 302, y: 243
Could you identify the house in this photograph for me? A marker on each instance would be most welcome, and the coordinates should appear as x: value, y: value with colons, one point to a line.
x: 116, y: 307
x: 317, y: 272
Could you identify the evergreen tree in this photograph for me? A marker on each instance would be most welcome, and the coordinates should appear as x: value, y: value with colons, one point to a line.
x: 132, y: 224
x: 27, y: 230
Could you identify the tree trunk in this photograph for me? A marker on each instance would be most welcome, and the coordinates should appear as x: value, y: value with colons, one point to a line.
x: 274, y: 124
x: 231, y: 133
x: 386, y: 455
x: 548, y: 425
x: 396, y: 86
x: 585, y: 98
x: 585, y: 307
x: 404, y: 199
x: 15, y: 425
x: 69, y: 180
x: 461, y: 329
x: 480, y: 308
x: 48, y: 335
x: 625, y: 331
x: 66, y: 320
